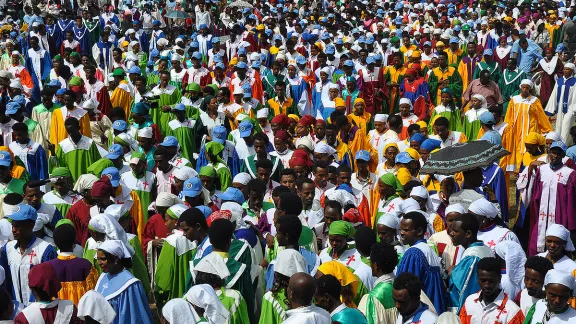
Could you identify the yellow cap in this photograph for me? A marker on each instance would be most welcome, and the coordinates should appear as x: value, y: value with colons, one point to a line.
x: 339, y: 102
x: 440, y: 43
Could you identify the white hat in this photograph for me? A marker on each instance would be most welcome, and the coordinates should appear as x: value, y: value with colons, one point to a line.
x: 238, y: 90
x: 16, y: 83
x: 562, y: 233
x: 289, y: 262
x: 553, y: 136
x: 560, y: 277
x: 389, y: 220
x: 214, y: 264
x: 571, y: 66
x: 129, y: 31
x: 381, y: 118
x: 242, y: 178
x: 455, y: 208
x: 145, y: 132
x: 162, y: 41
x: 322, y: 147
x: 484, y: 208
x: 262, y: 113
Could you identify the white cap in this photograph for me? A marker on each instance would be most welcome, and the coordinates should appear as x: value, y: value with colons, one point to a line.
x: 262, y: 113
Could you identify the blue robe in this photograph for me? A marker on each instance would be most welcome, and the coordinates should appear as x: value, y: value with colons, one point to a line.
x: 114, y: 20
x: 494, y: 177
x: 55, y: 34
x: 464, y: 279
x: 349, y: 315
x: 37, y: 164
x: 131, y: 304
x: 105, y: 54
x: 144, y: 42
x: 415, y: 262
x: 82, y: 35
x: 62, y: 26
x: 299, y: 93
x: 318, y: 106
x: 45, y: 67
x: 233, y: 162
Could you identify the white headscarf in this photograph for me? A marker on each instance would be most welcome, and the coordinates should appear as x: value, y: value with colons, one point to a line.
x: 448, y: 318
x: 237, y: 213
x: 342, y: 196
x: 484, y: 208
x: 97, y: 307
x: 166, y: 199
x: 85, y: 182
x: 455, y: 208
x: 406, y: 101
x: 409, y: 205
x: 528, y: 82
x: 146, y: 132
x: 381, y: 118
x: 553, y: 136
x: 322, y: 147
x: 421, y: 192
x: 184, y: 173
x: 389, y: 220
x: 108, y: 225
x: 289, y: 262
x: 560, y: 277
x: 306, y: 142
x: 562, y: 233
x: 482, y: 99
x: 214, y: 264
x: 117, y: 248
x: 205, y: 297
x: 242, y: 178
x: 130, y: 140
x: 179, y: 311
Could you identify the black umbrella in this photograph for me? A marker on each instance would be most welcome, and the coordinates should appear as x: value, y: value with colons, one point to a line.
x: 463, y: 157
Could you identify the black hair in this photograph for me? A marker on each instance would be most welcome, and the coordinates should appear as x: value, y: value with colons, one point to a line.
x: 117, y: 113
x: 72, y: 94
x: 365, y: 237
x: 72, y: 122
x: 64, y: 237
x: 483, y: 72
x: 384, y: 256
x: 442, y: 121
x: 410, y: 185
x: 220, y: 233
x: 329, y: 285
x: 280, y: 83
x: 257, y: 185
x: 334, y: 116
x: 395, y: 121
x: 280, y: 282
x: 490, y: 265
x: 321, y: 164
x: 210, y: 279
x: 341, y: 121
x: 496, y: 109
x: 276, y: 192
x: 291, y: 225
x: 125, y: 262
x: 264, y: 164
x: 409, y: 282
x: 331, y: 126
x: 343, y: 168
x: 287, y: 172
x: 47, y: 92
x: 413, y: 127
x: 442, y: 53
x: 161, y: 150
x: 334, y: 205
x: 300, y: 182
x: 332, y: 169
x: 193, y: 216
x: 261, y: 137
x: 468, y: 222
x: 418, y: 221
x: 290, y: 203
x: 20, y: 127
x: 539, y: 264
x: 13, y: 199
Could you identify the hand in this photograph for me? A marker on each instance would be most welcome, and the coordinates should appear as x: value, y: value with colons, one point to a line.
x: 270, y: 241
x: 490, y: 193
x: 52, y: 148
x: 208, y: 138
x: 228, y: 115
x: 157, y: 244
x: 166, y: 108
x: 264, y: 263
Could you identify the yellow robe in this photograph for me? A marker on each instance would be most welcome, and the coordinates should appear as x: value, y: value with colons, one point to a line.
x: 361, y: 121
x: 234, y: 109
x: 74, y: 290
x: 58, y: 131
x: 455, y: 58
x: 121, y: 97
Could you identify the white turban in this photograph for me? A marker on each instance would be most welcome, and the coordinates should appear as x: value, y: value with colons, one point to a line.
x: 97, y: 307
x: 553, y: 136
x: 562, y: 233
x: 333, y: 86
x: 381, y: 118
x: 421, y: 192
x: 205, y: 297
x: 289, y: 262
x: 406, y: 101
x: 214, y: 264
x: 162, y: 42
x: 129, y: 31
x: 108, y: 225
x: 131, y: 57
x: 560, y: 277
x: 242, y: 178
x: 326, y: 70
x: 528, y: 82
x: 322, y: 147
x: 262, y: 113
x: 482, y: 99
x: 409, y: 205
x: 175, y: 211
x: 237, y: 213
x: 91, y: 103
x: 145, y: 132
x: 117, y: 248
x: 118, y: 210
x: 389, y: 220
x: 85, y: 182
x: 342, y: 196
x: 571, y: 66
x: 130, y: 140
x: 184, y: 173
x: 448, y: 318
x: 484, y: 208
x: 455, y: 208
x: 178, y: 310
x: 176, y: 57
x: 16, y: 84
x: 166, y: 199
x: 306, y: 142
x: 513, y: 255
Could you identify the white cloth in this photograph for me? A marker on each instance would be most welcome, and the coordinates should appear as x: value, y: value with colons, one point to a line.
x: 389, y: 220
x: 107, y: 224
x: 41, y: 220
x: 166, y: 199
x: 214, y: 264
x: 145, y: 132
x: 85, y: 182
x: 553, y: 136
x: 205, y: 297
x: 97, y: 307
x: 242, y: 178
x: 184, y: 173
x: 560, y: 277
x: 308, y: 315
x: 289, y: 262
x: 117, y: 248
x: 179, y: 311
x: 381, y: 118
x: 177, y: 209
x: 306, y: 142
x: 513, y: 255
x: 562, y: 233
x: 455, y: 208
x: 484, y: 208
x: 322, y: 147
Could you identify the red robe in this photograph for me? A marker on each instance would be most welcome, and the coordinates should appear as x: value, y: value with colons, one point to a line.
x: 374, y: 88
x: 49, y: 316
x: 79, y: 214
x: 155, y: 229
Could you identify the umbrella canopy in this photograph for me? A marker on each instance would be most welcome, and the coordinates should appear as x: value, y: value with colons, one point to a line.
x: 463, y: 157
x: 177, y: 14
x: 240, y: 4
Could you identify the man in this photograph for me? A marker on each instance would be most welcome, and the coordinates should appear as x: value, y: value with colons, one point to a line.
x: 169, y: 95
x: 468, y: 63
x: 490, y: 304
x: 486, y: 87
x: 311, y: 209
x: 535, y: 270
x: 344, y: 154
x: 33, y: 196
x: 58, y: 130
x: 164, y: 170
x: 558, y: 246
x: 42, y: 114
x: 444, y: 76
x: 141, y: 181
x: 558, y: 287
x: 552, y: 205
x: 488, y: 64
x: 531, y: 55
x: 420, y: 259
x: 8, y: 184
x: 463, y: 276
x: 406, y: 295
x: 364, y: 180
x: 38, y: 63
x: 300, y: 293
x: 445, y: 135
x: 327, y: 297
x: 261, y: 145
x: 280, y: 104
x: 562, y: 103
x: 25, y: 251
x: 30, y: 153
x: 97, y: 90
x: 350, y: 134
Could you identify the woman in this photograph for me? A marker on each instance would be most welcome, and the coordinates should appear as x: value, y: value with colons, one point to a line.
x: 210, y: 118
x: 389, y: 164
x: 502, y: 52
x: 472, y: 125
x: 406, y: 112
x: 179, y: 311
x: 388, y: 189
x: 206, y: 304
x: 299, y: 90
x: 275, y: 302
x: 45, y: 285
x: 360, y: 117
x: 447, y: 109
x: 511, y: 255
x: 352, y: 287
x: 123, y: 291
x: 550, y: 68
x: 93, y: 308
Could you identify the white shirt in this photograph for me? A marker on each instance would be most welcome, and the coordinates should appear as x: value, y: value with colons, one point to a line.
x: 308, y: 315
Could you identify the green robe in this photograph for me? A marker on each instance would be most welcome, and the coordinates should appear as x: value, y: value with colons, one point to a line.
x: 185, y: 132
x: 63, y: 204
x: 382, y: 293
x: 90, y: 249
x: 224, y: 175
x: 510, y: 85
x: 453, y: 117
x: 138, y: 268
x: 269, y: 83
x: 173, y: 269
x: 14, y: 186
x: 472, y: 123
x: 235, y: 304
x: 168, y: 96
x: 77, y: 157
x: 249, y: 166
x: 454, y: 83
x: 94, y: 30
x: 493, y: 67
x: 144, y: 187
x: 273, y: 308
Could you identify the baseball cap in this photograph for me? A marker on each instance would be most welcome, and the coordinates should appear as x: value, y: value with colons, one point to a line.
x: 120, y: 125
x: 488, y: 52
x: 330, y: 50
x: 169, y: 141
x: 219, y: 134
x: 454, y: 40
x: 242, y: 65
x: 487, y: 118
x: 349, y: 63
x: 112, y: 174
x: 5, y: 158
x: 134, y: 70
x: 180, y: 107
x: 363, y: 155
x: 403, y: 157
x: 197, y: 55
x: 114, y: 151
x: 560, y: 145
x: 192, y: 187
x: 232, y: 194
x: 12, y: 108
x: 54, y: 83
x: 23, y: 213
x: 245, y: 128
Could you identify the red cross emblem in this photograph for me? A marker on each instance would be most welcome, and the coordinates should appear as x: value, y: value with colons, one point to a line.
x: 31, y: 254
x: 177, y: 164
x: 145, y: 184
x: 543, y: 215
x: 171, y: 178
x: 350, y: 259
x: 390, y: 207
x: 559, y: 176
x: 491, y: 244
x: 74, y: 199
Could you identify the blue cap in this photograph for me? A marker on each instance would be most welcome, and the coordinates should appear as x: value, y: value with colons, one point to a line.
x: 349, y: 63
x: 378, y: 57
x: 192, y: 187
x: 370, y: 60
x: 134, y: 70
x: 154, y: 53
x: 120, y: 125
x: 180, y: 107
x: 232, y: 194
x: 457, y: 28
x: 195, y: 44
x: 501, y: 5
x: 246, y: 10
x: 156, y: 23
x: 488, y: 52
x: 560, y: 48
x: 197, y: 55
x: 398, y: 20
x: 363, y: 155
x: 339, y: 41
x: 254, y: 65
x: 277, y: 37
x: 430, y: 144
x: 454, y: 40
x: 362, y: 39
x: 169, y: 141
x: 560, y: 145
x: 215, y: 40
x: 60, y: 91
x: 54, y: 83
x: 427, y: 43
x: 220, y: 65
x: 418, y: 138
x: 219, y: 134
x: 399, y: 6
x: 369, y: 40
x: 206, y: 211
x: 300, y: 60
x: 5, y: 158
x: 241, y: 51
x: 20, y: 100
x: 203, y: 26
x: 325, y: 36
x: 521, y: 32
x: 114, y: 151
x: 23, y: 213
x: 487, y: 118
x: 242, y: 65
x: 245, y: 128
x: 112, y: 174
x: 218, y: 58
x: 403, y: 157
x: 330, y: 50
x: 330, y: 15
x: 12, y: 108
x: 268, y: 32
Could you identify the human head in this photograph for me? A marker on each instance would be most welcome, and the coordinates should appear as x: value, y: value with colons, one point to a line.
x: 406, y: 293
x: 535, y: 270
x: 559, y: 288
x: 463, y: 230
x: 413, y: 227
x: 193, y: 224
x: 489, y: 276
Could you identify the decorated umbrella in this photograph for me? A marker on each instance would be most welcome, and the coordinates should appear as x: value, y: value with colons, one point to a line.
x: 463, y: 157
x: 240, y: 4
x: 177, y: 14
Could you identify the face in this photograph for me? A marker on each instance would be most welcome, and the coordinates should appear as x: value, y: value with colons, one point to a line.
x: 69, y: 101
x: 386, y: 234
x: 300, y: 171
x: 288, y: 181
x: 320, y: 130
x: 408, y: 233
x: 488, y: 282
x: 170, y: 222
x: 390, y: 153
x: 555, y: 245
x: 442, y: 131
x: 189, y: 231
x: 280, y: 91
x: 525, y: 90
x: 534, y: 282
x: 103, y: 262
x: 557, y: 296
x: 457, y: 234
x: 338, y: 243
x: 22, y: 230
x: 307, y: 193
x: 331, y: 136
x: 264, y: 174
x: 34, y: 197
x: 260, y: 148
x: 344, y: 178
x: 161, y: 162
x: 555, y: 155
x: 255, y: 200
x: 405, y: 304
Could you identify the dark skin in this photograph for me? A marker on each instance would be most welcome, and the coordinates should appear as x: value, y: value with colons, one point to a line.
x: 255, y: 200
x: 321, y: 176
x: 534, y: 282
x: 338, y: 244
x: 557, y: 296
x: 555, y: 247
x: 409, y: 233
x: 22, y: 232
x: 386, y: 234
x: 459, y: 236
x: 162, y: 163
x: 307, y: 195
x: 111, y: 266
x: 74, y: 132
x: 331, y: 137
x: 288, y: 181
x: 62, y: 185
x: 34, y: 197
x: 344, y: 178
x: 260, y: 149
x: 489, y: 282
x: 404, y: 303
x: 473, y: 178
x: 442, y: 131
x: 5, y: 176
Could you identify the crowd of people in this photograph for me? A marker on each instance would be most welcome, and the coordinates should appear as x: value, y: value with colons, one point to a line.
x: 269, y: 162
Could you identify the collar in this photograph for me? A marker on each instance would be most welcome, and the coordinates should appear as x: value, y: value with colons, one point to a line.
x: 389, y: 277
x: 17, y: 246
x: 338, y: 310
x: 489, y: 228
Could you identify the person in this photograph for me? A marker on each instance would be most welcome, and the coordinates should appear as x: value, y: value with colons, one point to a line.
x: 178, y: 310
x: 420, y: 259
x: 94, y: 307
x: 32, y: 154
x: 123, y: 291
x: 206, y: 304
x: 23, y: 253
x: 446, y: 136
x: 535, y: 270
x: 300, y: 293
x: 327, y: 297
x: 492, y: 228
x: 406, y: 294
x: 491, y: 304
x: 558, y: 288
x: 463, y: 280
x: 58, y: 131
x: 44, y: 284
x: 485, y: 87
x: 510, y: 254
x: 558, y: 244
x: 562, y: 103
